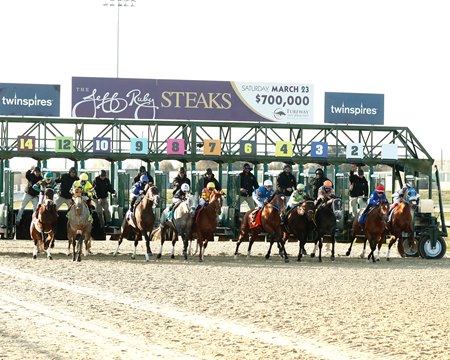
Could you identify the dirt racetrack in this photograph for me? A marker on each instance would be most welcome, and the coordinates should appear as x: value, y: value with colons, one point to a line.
x: 109, y: 307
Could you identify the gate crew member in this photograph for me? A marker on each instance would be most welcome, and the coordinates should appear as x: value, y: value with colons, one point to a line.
x: 209, y: 178
x: 248, y: 184
x: 358, y: 190
x: 286, y: 182
x: 66, y: 181
x: 33, y: 176
x: 179, y: 180
x: 142, y: 171
x: 317, y: 182
x: 102, y: 187
x: 46, y: 183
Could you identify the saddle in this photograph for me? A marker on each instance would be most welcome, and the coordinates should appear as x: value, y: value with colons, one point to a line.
x: 257, y: 222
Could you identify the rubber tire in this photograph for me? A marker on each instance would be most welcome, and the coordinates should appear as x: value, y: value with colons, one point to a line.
x: 410, y: 251
x: 425, y: 248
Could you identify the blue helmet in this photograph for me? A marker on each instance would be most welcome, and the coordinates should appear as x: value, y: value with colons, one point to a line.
x: 144, y: 178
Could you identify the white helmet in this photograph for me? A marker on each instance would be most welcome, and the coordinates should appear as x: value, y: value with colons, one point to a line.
x: 268, y: 183
x: 185, y: 187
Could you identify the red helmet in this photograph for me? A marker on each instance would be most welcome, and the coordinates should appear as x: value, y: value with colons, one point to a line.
x: 380, y: 188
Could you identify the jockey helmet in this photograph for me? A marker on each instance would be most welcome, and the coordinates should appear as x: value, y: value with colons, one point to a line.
x: 380, y: 188
x: 185, y: 187
x: 300, y: 187
x: 327, y: 183
x: 84, y: 177
x: 268, y: 183
x: 211, y: 185
x: 48, y: 177
x: 144, y: 179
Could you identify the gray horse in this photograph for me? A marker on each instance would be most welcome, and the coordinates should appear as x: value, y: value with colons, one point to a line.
x: 79, y: 228
x: 180, y: 226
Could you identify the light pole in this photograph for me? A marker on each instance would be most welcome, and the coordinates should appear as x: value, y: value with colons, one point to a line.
x: 119, y: 4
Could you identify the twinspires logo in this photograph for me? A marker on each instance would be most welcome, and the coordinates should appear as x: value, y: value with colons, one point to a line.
x: 29, y: 99
x: 352, y: 108
x: 16, y: 101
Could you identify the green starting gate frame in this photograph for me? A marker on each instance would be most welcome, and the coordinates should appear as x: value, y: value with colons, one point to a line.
x: 412, y: 157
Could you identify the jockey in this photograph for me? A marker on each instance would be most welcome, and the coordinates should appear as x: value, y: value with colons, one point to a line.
x: 262, y: 195
x: 85, y: 187
x: 324, y: 193
x: 206, y: 193
x: 137, y: 190
x: 398, y: 196
x: 47, y: 183
x: 179, y: 196
x: 297, y: 197
x: 374, y: 199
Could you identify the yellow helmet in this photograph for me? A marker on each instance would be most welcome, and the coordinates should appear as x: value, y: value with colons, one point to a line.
x: 84, y: 177
x: 300, y: 187
x: 211, y: 185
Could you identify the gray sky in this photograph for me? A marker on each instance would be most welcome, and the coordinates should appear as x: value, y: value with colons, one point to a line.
x: 396, y: 48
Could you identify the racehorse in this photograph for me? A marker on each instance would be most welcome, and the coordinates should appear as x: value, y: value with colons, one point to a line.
x: 299, y: 222
x: 181, y: 225
x: 141, y: 221
x: 270, y: 223
x: 373, y: 229
x: 43, y: 225
x: 402, y: 221
x: 205, y: 222
x: 78, y: 227
x: 325, y: 218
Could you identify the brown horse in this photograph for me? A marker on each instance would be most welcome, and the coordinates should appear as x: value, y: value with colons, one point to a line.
x: 402, y: 222
x: 270, y: 223
x: 299, y: 222
x: 43, y: 225
x: 141, y: 221
x: 205, y: 222
x: 374, y: 229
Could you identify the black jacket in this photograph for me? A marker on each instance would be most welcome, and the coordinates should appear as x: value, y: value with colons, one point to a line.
x: 66, y: 182
x: 32, y: 179
x: 316, y: 184
x: 285, y: 181
x: 358, y: 185
x: 102, y: 187
x: 138, y: 177
x: 248, y: 182
x: 206, y: 181
x: 178, y: 181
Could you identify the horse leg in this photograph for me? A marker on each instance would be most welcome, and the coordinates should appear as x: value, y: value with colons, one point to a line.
x: 242, y: 235
x: 373, y: 246
x: 350, y: 248
x: 124, y: 233
x: 79, y: 247
x: 363, y: 253
x: 391, y: 242
x: 51, y: 238
x: 320, y: 247
x: 200, y: 246
x: 270, y: 248
x: 147, y: 246
x: 281, y: 246
x: 333, y: 244
x: 136, y: 243
x: 251, y: 240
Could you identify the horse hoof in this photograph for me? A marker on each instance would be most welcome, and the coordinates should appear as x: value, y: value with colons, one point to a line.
x: 286, y: 260
x: 49, y: 257
x: 378, y: 259
x: 34, y: 256
x: 388, y: 259
x: 347, y: 253
x: 158, y: 256
x: 313, y: 255
x: 267, y: 257
x: 304, y: 252
x: 79, y: 259
x: 133, y: 257
x: 333, y: 258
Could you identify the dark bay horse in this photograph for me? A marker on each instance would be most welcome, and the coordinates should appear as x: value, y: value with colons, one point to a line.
x: 299, y: 222
x: 325, y: 224
x: 43, y: 225
x: 206, y: 222
x: 270, y: 223
x: 141, y: 221
x: 78, y: 227
x: 181, y: 225
x: 402, y: 221
x: 374, y: 229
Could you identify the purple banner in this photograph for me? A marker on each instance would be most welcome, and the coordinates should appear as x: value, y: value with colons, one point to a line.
x: 189, y: 100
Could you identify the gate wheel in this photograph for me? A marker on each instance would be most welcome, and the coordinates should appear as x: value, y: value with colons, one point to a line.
x: 426, y: 250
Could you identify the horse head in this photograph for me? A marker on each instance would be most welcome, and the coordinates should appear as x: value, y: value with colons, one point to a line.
x: 48, y: 200
x: 384, y: 207
x: 336, y: 206
x: 307, y: 208
x: 411, y: 197
x: 152, y: 193
x: 215, y: 200
x: 278, y: 201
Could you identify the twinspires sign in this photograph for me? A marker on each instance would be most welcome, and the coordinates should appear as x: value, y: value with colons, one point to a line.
x: 351, y: 108
x: 191, y: 100
x: 29, y: 100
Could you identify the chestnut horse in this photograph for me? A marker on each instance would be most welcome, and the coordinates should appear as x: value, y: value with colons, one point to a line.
x: 205, y: 223
x: 299, y: 222
x: 43, y: 225
x: 325, y: 218
x: 141, y: 221
x: 402, y: 221
x: 373, y: 229
x: 270, y: 223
